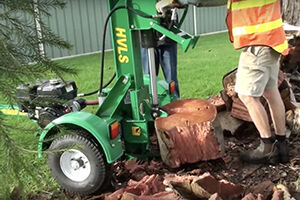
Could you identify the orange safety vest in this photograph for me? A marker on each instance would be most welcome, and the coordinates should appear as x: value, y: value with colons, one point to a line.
x: 256, y: 22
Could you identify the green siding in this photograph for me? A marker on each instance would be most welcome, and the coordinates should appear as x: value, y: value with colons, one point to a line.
x: 211, y: 19
x: 188, y: 24
x: 81, y: 23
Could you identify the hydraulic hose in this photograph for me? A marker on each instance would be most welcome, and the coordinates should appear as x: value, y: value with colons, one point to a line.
x: 104, y: 37
x: 96, y: 91
x: 101, y: 86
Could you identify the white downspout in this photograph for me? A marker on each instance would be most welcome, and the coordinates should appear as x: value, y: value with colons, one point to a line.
x: 195, y: 20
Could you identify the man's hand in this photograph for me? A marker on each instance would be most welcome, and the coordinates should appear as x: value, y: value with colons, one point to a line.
x: 162, y: 5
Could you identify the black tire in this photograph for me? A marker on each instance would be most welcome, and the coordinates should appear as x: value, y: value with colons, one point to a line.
x: 98, y: 175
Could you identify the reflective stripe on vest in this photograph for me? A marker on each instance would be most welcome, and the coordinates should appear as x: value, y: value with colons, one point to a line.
x: 250, y: 4
x: 263, y: 27
x: 282, y: 48
x: 245, y: 30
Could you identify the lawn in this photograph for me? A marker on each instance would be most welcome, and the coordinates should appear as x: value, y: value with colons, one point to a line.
x: 200, y: 70
x: 200, y: 73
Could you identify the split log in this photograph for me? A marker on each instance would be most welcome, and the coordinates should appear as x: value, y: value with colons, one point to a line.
x: 150, y: 187
x: 236, y: 106
x: 187, y: 135
x: 290, y: 65
x: 293, y: 120
x: 285, y: 194
x: 203, y: 187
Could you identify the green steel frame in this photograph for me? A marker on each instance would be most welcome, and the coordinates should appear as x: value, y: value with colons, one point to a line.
x: 129, y: 101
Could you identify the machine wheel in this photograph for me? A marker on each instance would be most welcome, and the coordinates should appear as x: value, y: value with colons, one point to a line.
x: 78, y: 164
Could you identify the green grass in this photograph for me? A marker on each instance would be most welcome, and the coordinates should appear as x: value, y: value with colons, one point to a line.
x: 31, y: 172
x: 200, y: 73
x: 200, y: 70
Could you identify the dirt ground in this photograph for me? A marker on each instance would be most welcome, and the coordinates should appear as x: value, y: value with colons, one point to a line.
x: 230, y: 168
x: 251, y: 176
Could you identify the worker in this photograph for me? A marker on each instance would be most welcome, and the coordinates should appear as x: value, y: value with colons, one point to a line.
x: 255, y: 26
x: 165, y: 54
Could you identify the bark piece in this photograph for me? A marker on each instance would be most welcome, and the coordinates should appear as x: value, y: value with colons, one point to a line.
x: 136, y: 168
x: 148, y: 186
x: 229, y: 82
x: 158, y: 196
x: 187, y: 134
x: 133, y: 166
x: 218, y: 102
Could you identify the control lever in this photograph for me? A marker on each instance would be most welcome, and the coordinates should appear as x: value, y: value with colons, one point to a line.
x: 173, y: 21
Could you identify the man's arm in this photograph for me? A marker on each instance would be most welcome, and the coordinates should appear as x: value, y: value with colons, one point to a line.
x: 202, y: 3
x: 165, y: 4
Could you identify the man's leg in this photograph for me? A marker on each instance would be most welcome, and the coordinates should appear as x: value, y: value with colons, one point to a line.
x: 255, y: 67
x: 258, y: 115
x: 277, y: 111
x: 168, y: 61
x: 267, y: 151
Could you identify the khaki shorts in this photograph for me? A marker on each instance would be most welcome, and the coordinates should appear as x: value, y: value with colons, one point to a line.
x: 258, y: 70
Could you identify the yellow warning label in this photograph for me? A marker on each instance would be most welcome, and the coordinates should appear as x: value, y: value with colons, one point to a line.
x: 7, y: 111
x: 136, y: 131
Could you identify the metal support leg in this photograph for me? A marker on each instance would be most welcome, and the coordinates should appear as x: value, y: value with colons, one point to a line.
x: 152, y: 70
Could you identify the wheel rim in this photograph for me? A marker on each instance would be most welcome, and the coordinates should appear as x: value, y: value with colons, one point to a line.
x: 75, y: 165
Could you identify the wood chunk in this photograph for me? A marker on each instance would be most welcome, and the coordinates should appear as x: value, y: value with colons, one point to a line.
x: 187, y: 135
x: 218, y: 102
x: 201, y: 109
x: 282, y: 193
x: 188, y: 144
x: 133, y: 166
x: 158, y: 196
x: 203, y: 186
x: 225, y: 189
x: 215, y: 197
x: 146, y: 187
x: 237, y: 107
x: 265, y: 188
x: 228, y: 81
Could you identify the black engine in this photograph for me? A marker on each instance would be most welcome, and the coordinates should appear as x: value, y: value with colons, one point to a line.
x: 48, y: 100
